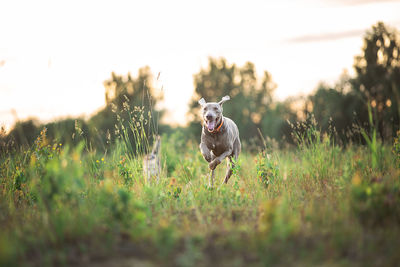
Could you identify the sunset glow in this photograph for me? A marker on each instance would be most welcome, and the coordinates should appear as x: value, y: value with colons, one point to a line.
x: 54, y: 57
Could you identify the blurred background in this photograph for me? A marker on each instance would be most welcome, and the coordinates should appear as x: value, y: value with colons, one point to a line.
x: 77, y: 65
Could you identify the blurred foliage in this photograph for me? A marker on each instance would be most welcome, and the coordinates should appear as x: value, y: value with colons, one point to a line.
x: 396, y: 149
x: 376, y: 202
x: 317, y: 204
x: 377, y: 78
x: 122, y: 92
x: 127, y: 99
x: 340, y: 110
x: 343, y: 108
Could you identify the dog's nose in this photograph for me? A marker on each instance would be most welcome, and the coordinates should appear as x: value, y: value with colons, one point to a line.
x: 209, y: 117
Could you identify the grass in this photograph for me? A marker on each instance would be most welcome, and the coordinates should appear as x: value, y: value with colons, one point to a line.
x: 317, y: 204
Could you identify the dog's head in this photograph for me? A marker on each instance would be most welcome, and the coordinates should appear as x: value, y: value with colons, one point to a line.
x: 212, y: 112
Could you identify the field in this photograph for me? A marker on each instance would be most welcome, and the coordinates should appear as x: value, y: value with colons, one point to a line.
x: 313, y: 204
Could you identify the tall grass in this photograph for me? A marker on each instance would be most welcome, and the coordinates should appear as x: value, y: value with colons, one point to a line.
x: 316, y: 204
x: 372, y: 142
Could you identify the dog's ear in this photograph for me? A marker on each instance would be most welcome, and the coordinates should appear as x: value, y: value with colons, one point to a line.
x: 202, y: 102
x: 224, y: 99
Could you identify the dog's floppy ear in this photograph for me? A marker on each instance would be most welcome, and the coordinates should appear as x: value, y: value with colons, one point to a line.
x: 224, y: 99
x: 202, y: 102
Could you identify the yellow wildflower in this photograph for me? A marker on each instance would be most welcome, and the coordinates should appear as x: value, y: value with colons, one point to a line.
x: 368, y: 191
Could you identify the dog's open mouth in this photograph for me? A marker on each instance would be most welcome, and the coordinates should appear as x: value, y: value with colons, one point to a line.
x: 211, y: 125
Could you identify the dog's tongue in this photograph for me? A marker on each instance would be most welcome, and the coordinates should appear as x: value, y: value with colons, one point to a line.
x: 211, y: 125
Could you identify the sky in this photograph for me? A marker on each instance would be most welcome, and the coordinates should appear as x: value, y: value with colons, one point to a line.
x: 55, y: 55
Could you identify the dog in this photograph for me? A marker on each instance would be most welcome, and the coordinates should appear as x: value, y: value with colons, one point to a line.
x: 219, y: 138
x: 152, y: 162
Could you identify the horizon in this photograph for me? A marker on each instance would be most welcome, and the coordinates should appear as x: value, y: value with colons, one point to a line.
x: 54, y: 60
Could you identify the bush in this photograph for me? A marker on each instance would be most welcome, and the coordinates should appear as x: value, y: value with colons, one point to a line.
x: 376, y: 202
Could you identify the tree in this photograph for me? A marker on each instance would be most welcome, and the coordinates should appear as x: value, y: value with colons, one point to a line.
x: 138, y: 91
x: 123, y: 94
x: 252, y: 98
x: 212, y: 84
x: 336, y: 109
x: 22, y: 134
x: 377, y: 79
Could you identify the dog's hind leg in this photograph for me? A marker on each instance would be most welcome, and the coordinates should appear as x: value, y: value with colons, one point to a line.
x: 229, y: 169
x: 232, y: 159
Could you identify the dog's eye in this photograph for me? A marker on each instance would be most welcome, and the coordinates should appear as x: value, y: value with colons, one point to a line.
x: 215, y: 109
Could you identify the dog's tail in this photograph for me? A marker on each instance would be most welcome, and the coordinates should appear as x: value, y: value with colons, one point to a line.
x: 156, y: 146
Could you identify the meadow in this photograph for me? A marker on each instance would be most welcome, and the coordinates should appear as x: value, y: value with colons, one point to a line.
x: 316, y: 203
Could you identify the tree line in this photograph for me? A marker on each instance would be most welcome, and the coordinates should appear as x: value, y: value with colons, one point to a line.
x: 341, y: 109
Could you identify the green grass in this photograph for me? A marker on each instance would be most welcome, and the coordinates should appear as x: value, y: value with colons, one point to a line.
x: 317, y: 204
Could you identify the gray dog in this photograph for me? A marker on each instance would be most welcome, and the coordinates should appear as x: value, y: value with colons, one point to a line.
x: 219, y: 137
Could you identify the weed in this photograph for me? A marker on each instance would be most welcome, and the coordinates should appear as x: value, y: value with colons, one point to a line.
x: 309, y: 205
x: 267, y: 169
x: 372, y: 140
x: 396, y: 149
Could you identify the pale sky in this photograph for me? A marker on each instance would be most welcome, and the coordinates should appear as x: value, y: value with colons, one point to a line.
x: 55, y: 55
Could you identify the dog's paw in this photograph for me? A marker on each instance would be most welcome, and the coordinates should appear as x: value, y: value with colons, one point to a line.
x: 213, y: 164
x: 207, y: 158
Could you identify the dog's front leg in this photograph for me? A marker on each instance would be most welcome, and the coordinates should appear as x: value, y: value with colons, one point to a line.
x: 205, y: 152
x: 211, y: 179
x: 213, y: 164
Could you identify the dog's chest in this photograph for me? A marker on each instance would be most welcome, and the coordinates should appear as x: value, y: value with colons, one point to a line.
x: 217, y: 145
